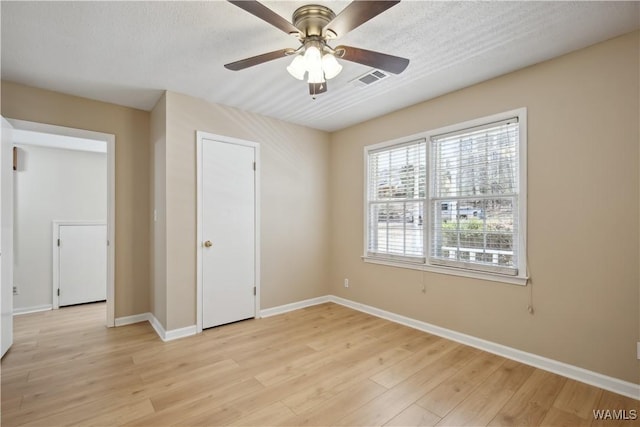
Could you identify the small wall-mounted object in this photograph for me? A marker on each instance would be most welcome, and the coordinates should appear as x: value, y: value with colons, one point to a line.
x: 15, y: 158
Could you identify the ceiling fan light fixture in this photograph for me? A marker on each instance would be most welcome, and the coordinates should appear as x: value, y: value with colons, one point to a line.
x: 330, y: 66
x: 298, y: 67
x: 313, y: 58
x: 314, y: 26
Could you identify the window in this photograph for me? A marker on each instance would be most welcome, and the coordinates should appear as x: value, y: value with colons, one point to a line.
x: 451, y: 200
x: 396, y: 198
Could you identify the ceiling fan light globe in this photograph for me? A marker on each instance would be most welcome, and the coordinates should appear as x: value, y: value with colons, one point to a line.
x: 297, y: 68
x: 330, y: 66
x: 316, y: 76
x: 313, y: 58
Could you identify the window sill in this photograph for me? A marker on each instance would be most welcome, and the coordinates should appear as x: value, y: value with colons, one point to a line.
x: 514, y: 280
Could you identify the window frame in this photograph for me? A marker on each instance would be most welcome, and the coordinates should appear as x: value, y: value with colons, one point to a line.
x: 368, y: 202
x: 425, y: 265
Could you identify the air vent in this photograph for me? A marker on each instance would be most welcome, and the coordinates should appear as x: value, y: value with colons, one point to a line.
x: 370, y: 78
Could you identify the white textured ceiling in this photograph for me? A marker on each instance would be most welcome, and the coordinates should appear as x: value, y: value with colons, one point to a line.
x: 129, y: 52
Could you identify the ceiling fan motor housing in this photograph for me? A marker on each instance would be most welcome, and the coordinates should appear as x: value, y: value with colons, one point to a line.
x: 311, y: 19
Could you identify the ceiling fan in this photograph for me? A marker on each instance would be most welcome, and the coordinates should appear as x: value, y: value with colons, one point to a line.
x: 314, y: 26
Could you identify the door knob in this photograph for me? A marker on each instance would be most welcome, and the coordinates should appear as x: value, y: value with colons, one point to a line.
x: 208, y: 244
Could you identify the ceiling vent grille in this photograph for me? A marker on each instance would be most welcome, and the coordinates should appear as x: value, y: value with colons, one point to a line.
x: 369, y: 78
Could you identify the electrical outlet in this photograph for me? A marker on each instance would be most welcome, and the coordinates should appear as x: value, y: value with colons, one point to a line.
x: 15, y: 290
x: 638, y: 349
x: 346, y: 283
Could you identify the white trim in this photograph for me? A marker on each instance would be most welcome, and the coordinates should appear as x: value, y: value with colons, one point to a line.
x: 173, y: 334
x: 580, y: 374
x: 110, y: 140
x: 157, y: 326
x: 49, y: 140
x: 130, y: 320
x: 452, y: 271
x: 281, y: 309
x: 198, y: 232
x: 200, y: 136
x: 164, y: 335
x: 111, y: 230
x: 55, y: 250
x: 34, y: 309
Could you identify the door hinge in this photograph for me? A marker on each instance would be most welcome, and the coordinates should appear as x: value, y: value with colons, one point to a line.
x: 254, y: 290
x: 58, y: 242
x: 58, y: 291
x: 254, y: 165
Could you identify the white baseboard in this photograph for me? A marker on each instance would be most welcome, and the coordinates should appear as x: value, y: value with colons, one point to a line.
x: 273, y: 311
x: 579, y: 374
x: 164, y: 335
x: 136, y: 318
x: 35, y: 309
x: 173, y: 334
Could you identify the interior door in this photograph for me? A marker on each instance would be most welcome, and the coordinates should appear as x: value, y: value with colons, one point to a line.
x: 6, y: 237
x: 228, y: 230
x: 82, y: 263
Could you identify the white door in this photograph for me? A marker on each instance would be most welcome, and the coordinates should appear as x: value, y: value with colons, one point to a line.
x: 82, y: 264
x: 6, y: 237
x: 228, y: 232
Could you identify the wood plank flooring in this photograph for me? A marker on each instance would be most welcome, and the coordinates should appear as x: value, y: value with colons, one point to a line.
x: 319, y: 366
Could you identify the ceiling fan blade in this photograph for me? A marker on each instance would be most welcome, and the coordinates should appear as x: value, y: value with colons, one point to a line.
x: 317, y: 88
x: 258, y: 59
x: 355, y: 14
x: 263, y: 12
x: 382, y: 61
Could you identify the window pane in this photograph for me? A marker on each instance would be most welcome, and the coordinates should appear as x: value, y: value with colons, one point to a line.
x: 398, y: 173
x: 475, y: 231
x: 396, y: 228
x: 480, y: 163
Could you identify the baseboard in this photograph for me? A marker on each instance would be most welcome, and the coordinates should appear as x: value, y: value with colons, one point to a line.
x: 164, y: 335
x: 35, y: 309
x: 173, y: 334
x: 136, y: 318
x: 273, y: 311
x: 579, y: 374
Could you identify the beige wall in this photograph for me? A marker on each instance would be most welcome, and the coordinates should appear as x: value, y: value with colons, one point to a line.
x: 583, y: 241
x: 158, y: 230
x: 131, y: 129
x: 294, y: 203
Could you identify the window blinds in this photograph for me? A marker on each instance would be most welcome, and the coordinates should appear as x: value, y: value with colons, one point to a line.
x: 395, y: 201
x: 473, y: 198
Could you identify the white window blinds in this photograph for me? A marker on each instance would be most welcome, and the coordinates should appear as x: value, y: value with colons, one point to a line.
x: 474, y: 198
x: 395, y: 201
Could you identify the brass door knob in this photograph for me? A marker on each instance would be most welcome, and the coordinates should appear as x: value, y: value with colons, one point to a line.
x: 208, y: 244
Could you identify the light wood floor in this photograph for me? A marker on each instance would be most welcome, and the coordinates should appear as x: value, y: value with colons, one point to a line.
x: 324, y: 365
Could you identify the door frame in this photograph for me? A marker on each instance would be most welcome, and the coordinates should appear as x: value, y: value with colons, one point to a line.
x: 110, y: 140
x: 6, y: 243
x: 200, y: 137
x: 55, y: 250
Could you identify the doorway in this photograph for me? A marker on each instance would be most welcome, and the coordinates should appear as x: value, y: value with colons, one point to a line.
x: 63, y: 139
x: 228, y: 260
